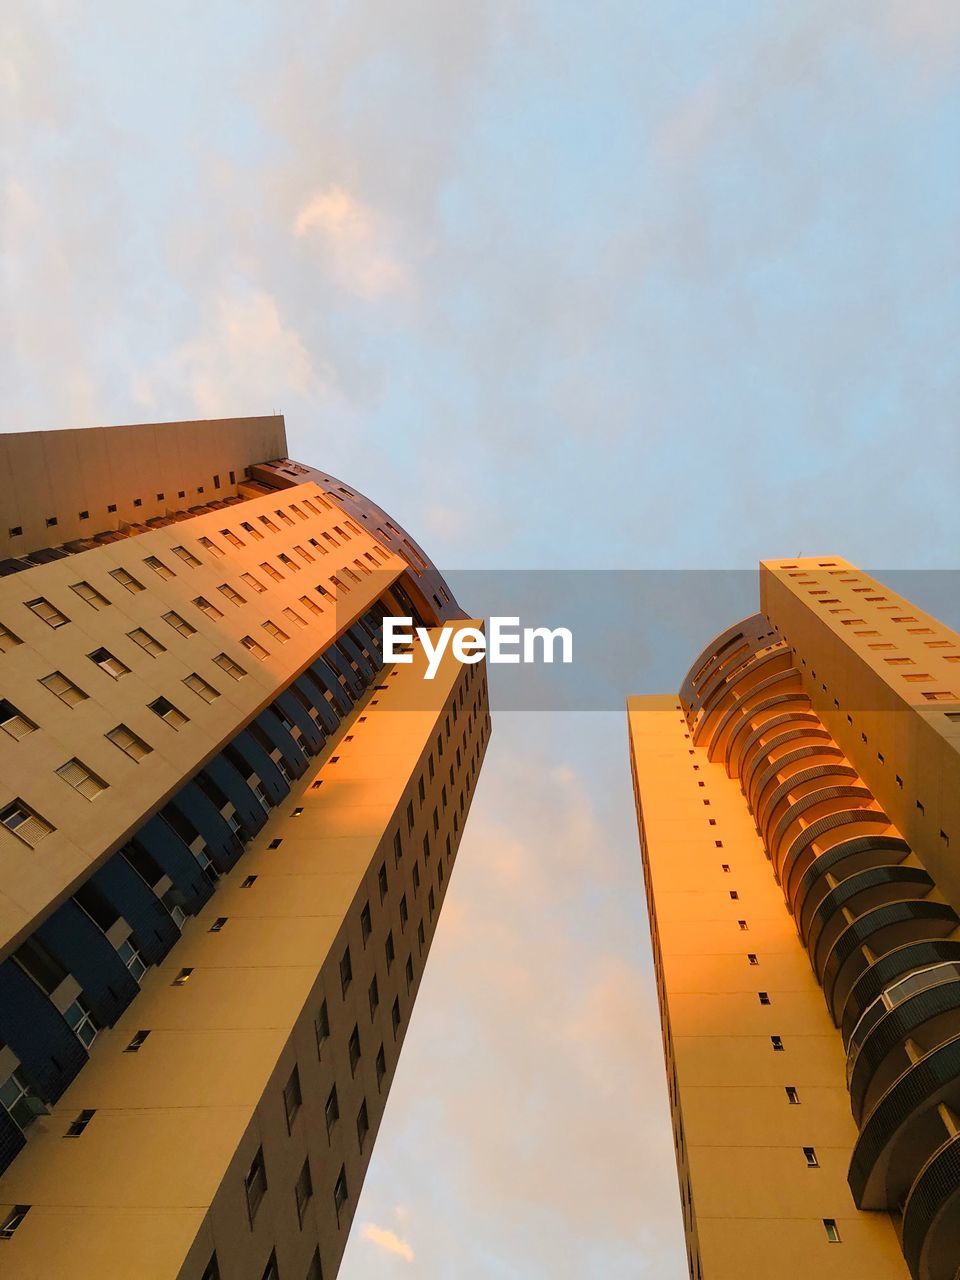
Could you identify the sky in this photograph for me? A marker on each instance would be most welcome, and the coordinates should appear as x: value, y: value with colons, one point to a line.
x: 621, y: 286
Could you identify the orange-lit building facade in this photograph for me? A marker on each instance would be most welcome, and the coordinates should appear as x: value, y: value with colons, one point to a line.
x: 226, y: 834
x: 799, y: 813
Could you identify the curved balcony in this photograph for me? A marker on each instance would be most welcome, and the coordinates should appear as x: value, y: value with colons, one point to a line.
x: 886, y: 970
x: 805, y: 747
x: 882, y: 929
x: 744, y: 637
x: 824, y: 796
x: 931, y: 1216
x: 927, y: 1015
x: 801, y: 853
x: 844, y: 859
x: 755, y: 748
x: 799, y: 785
x: 859, y: 894
x: 747, y: 707
x: 753, y: 673
x: 904, y: 1129
x: 782, y: 690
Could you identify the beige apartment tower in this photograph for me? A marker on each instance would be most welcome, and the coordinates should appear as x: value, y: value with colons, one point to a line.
x: 799, y: 813
x: 226, y: 833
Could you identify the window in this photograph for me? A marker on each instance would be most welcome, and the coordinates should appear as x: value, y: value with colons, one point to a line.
x: 231, y: 594
x: 16, y: 1215
x: 209, y: 545
x: 265, y: 520
x: 146, y: 642
x: 272, y: 629
x: 303, y: 1190
x: 14, y: 722
x: 254, y: 533
x: 128, y: 742
x: 63, y: 688
x: 366, y: 925
x: 363, y: 1124
x: 204, y: 605
x: 186, y: 556
x: 212, y: 1270
x: 340, y: 1191
x: 389, y: 951
x: 126, y: 580
x: 255, y: 1184
x: 227, y: 664
x: 382, y: 880
x: 158, y: 567
x: 292, y: 1098
x: 416, y: 878
x: 331, y: 1109
x: 777, y: 1044
x: 408, y: 972
x: 179, y: 624
x: 751, y: 958
x: 22, y: 1104
x: 346, y: 971
x: 373, y: 993
x: 404, y: 913
x: 395, y: 1017
x: 7, y: 639
x: 92, y: 596
x: 200, y: 687
x: 304, y: 553
x: 294, y: 617
x: 165, y: 709
x: 431, y: 903
x: 47, y: 612
x: 323, y: 1027
x: 78, y: 776
x: 353, y: 1048
x: 792, y: 1096
x: 830, y: 1227
x: 810, y: 1155
x: 106, y: 661
x: 77, y: 1126
x: 83, y: 1023
x: 182, y: 978
x: 232, y: 538
x: 218, y: 924
x: 253, y: 582
x: 25, y: 824
x: 252, y: 646
x: 311, y: 605
x: 283, y: 516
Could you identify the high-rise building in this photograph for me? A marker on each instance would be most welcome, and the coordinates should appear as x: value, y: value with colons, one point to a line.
x: 799, y: 812
x: 226, y: 832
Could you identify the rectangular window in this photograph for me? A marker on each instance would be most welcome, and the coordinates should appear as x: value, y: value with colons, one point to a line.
x: 283, y: 516
x: 7, y: 639
x: 158, y: 567
x: 146, y: 642
x: 47, y: 612
x: 830, y: 1227
x: 294, y: 617
x: 389, y: 950
x: 268, y: 523
x: 353, y: 1048
x: 272, y: 629
x: 254, y: 533
x: 303, y: 1191
x: 204, y: 605
x: 373, y: 994
x: 304, y: 553
x: 252, y: 646
x: 227, y: 664
x: 311, y: 605
x: 363, y: 1124
x: 339, y: 1192
x: 126, y: 580
x: 255, y: 1184
x: 777, y: 1044
x: 13, y: 722
x: 231, y: 594
x: 13, y: 1219
x: 366, y: 924
x: 810, y: 1155
x: 179, y: 624
x: 186, y: 556
x: 792, y: 1096
x: 292, y: 1098
x: 82, y: 779
x: 331, y: 1109
x: 209, y: 545
x: 106, y: 661
x: 381, y: 1066
x: 395, y: 1017
x: 25, y: 823
x: 346, y: 972
x: 128, y: 742
x: 382, y: 880
x: 200, y: 687
x: 322, y: 1027
x: 232, y: 538
x: 63, y: 688
x: 167, y: 712
x: 92, y: 596
x: 253, y: 582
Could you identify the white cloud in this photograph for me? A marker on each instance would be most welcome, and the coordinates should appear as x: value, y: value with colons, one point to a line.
x: 353, y: 239
x: 387, y: 1240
